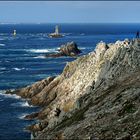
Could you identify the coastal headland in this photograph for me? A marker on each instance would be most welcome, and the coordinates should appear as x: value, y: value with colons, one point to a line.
x: 97, y: 96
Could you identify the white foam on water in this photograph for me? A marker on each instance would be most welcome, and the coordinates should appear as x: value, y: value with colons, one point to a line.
x: 58, y: 48
x: 2, y: 44
x: 3, y: 68
x: 18, y: 69
x: 13, y: 96
x: 25, y: 104
x: 21, y: 104
x: 2, y: 93
x: 22, y: 115
x: 66, y: 34
x: 82, y: 48
x: 40, y: 56
x: 40, y: 50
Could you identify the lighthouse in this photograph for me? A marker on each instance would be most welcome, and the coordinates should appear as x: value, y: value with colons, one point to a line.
x: 14, y: 33
x: 56, y: 34
x: 56, y: 30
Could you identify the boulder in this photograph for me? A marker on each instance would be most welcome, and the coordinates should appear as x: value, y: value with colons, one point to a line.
x: 37, y: 127
x: 68, y: 49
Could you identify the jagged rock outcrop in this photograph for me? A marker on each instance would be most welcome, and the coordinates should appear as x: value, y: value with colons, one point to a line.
x: 68, y: 49
x: 96, y: 97
x: 31, y: 91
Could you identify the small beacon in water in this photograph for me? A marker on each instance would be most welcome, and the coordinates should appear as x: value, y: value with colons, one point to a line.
x: 14, y: 33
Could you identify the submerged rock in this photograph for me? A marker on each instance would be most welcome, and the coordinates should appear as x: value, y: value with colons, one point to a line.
x: 69, y: 49
x: 96, y: 97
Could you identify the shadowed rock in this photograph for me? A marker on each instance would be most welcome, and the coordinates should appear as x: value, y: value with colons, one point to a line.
x: 31, y: 116
x: 69, y: 49
x: 37, y: 127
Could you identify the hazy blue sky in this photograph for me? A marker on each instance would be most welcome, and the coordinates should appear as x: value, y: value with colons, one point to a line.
x: 70, y: 11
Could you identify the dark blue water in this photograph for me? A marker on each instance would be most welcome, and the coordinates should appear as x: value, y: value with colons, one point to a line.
x: 22, y: 62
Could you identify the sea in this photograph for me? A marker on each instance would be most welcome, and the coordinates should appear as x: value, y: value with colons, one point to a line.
x: 23, y: 62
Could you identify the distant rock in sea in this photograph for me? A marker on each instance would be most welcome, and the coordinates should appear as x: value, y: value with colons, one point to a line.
x: 97, y: 96
x: 68, y: 49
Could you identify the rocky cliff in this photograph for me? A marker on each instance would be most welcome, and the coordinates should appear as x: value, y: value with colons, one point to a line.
x: 96, y: 97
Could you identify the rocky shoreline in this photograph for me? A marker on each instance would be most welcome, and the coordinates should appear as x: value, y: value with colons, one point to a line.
x: 97, y: 96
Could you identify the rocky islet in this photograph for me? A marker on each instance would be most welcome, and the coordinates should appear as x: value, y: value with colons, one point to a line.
x: 68, y: 49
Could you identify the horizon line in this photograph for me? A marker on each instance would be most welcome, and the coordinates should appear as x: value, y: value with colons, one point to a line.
x: 69, y: 22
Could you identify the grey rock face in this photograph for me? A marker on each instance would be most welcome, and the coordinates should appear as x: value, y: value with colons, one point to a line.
x: 97, y: 95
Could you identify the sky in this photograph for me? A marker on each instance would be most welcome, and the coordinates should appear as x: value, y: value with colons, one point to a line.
x: 70, y: 12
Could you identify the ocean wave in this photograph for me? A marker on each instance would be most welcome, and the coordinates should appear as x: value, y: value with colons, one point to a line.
x: 2, y: 44
x: 40, y: 56
x: 3, y: 68
x: 82, y: 48
x: 82, y: 34
x: 1, y: 38
x: 18, y: 69
x: 2, y: 93
x: 22, y: 116
x: 21, y: 104
x: 26, y: 104
x: 42, y: 38
x: 66, y: 34
x: 41, y: 50
x: 42, y: 75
